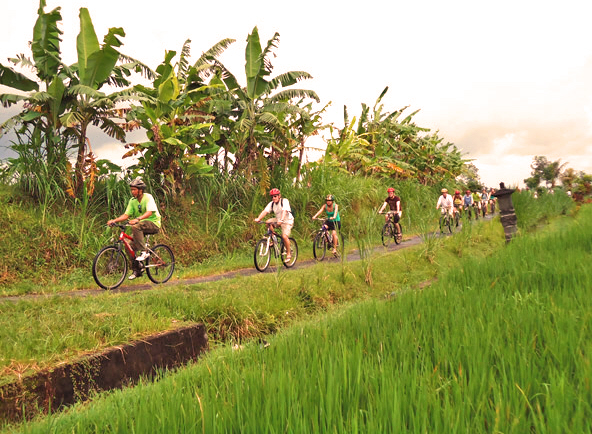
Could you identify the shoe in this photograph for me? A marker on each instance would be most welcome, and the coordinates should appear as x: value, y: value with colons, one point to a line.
x: 288, y: 258
x: 143, y: 256
x: 334, y: 251
x: 134, y: 275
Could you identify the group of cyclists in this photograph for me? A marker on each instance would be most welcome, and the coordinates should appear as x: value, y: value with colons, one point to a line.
x: 143, y: 216
x: 475, y: 202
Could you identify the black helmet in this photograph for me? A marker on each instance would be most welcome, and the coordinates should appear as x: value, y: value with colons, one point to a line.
x: 138, y: 183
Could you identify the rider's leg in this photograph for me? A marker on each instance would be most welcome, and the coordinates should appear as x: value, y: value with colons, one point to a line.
x: 286, y: 231
x: 138, y: 231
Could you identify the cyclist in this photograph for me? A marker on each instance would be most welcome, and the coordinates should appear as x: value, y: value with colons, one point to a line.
x: 333, y: 222
x: 457, y: 200
x: 492, y: 200
x: 484, y: 200
x: 467, y: 201
x: 477, y: 202
x: 144, y: 219
x: 283, y: 217
x: 445, y: 203
x: 394, y: 212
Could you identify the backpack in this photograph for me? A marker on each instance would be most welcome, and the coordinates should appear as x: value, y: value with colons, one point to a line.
x: 291, y: 210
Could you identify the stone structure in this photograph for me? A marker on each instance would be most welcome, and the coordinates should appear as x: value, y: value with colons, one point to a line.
x: 506, y: 207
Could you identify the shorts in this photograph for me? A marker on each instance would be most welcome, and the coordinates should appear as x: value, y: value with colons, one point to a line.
x: 286, y: 227
x: 395, y: 216
x: 332, y: 223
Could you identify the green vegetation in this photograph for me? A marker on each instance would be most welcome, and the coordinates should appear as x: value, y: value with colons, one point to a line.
x: 481, y: 348
x: 500, y: 343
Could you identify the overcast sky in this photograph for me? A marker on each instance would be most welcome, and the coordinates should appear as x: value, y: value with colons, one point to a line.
x: 504, y: 80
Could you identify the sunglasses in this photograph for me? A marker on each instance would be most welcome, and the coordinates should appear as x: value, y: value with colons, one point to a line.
x: 276, y: 195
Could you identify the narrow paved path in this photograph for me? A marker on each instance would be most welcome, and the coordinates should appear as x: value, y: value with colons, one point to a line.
x: 353, y: 256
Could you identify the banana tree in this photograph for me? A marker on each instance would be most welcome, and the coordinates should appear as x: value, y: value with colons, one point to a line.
x: 261, y: 108
x: 177, y: 114
x: 65, y: 100
x: 98, y: 65
x: 41, y: 146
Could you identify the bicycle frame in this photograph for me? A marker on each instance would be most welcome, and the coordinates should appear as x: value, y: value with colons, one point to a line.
x: 271, y: 235
x: 125, y: 239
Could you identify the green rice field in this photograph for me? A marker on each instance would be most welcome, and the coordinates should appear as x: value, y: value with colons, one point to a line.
x: 499, y: 344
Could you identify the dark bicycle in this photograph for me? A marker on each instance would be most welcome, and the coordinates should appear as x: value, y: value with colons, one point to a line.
x: 390, y: 231
x: 323, y: 240
x: 272, y: 244
x: 445, y: 222
x: 110, y: 265
x: 457, y: 216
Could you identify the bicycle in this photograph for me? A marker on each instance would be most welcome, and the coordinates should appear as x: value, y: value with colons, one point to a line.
x: 445, y: 221
x: 475, y: 207
x: 110, y: 265
x: 483, y: 208
x: 390, y: 232
x: 323, y: 240
x: 272, y: 243
x: 492, y: 206
x: 456, y: 216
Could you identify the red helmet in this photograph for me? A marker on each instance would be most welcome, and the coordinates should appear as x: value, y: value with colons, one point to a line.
x: 390, y: 189
x: 456, y: 192
x: 468, y: 191
x: 274, y: 191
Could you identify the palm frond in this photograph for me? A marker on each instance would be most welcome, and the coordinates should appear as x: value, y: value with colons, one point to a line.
x: 274, y: 42
x: 137, y: 66
x: 80, y: 89
x: 184, y: 61
x: 288, y: 79
x: 288, y: 94
x: 215, y: 51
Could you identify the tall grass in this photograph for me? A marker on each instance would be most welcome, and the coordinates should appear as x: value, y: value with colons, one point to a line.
x: 493, y: 346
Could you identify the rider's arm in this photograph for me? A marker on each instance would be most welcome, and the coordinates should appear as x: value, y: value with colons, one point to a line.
x: 263, y: 214
x: 318, y: 212
x: 439, y: 204
x: 335, y: 213
x: 142, y: 217
x: 382, y: 208
x: 121, y: 218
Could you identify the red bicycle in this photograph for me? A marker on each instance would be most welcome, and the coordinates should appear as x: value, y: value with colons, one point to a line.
x: 110, y: 266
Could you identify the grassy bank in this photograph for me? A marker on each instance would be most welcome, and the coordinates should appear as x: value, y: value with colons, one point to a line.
x: 500, y: 343
x: 36, y: 333
x: 50, y: 248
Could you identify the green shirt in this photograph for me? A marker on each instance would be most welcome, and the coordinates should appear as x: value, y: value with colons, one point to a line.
x: 331, y: 213
x: 135, y: 209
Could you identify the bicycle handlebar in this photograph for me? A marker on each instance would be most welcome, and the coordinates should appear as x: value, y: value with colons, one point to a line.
x: 119, y: 225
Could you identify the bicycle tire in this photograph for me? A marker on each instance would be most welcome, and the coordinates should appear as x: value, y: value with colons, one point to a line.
x: 293, y: 253
x: 387, y: 234
x: 449, y: 223
x: 456, y: 218
x: 261, y: 257
x: 398, y: 235
x: 109, y: 267
x: 161, y: 263
x: 319, y: 246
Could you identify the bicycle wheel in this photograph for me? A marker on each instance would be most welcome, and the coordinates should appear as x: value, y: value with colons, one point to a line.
x: 319, y: 246
x: 448, y: 223
x: 293, y: 253
x: 456, y: 219
x: 161, y: 263
x: 387, y: 234
x: 442, y: 224
x: 262, y: 255
x: 109, y: 267
x: 398, y: 234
